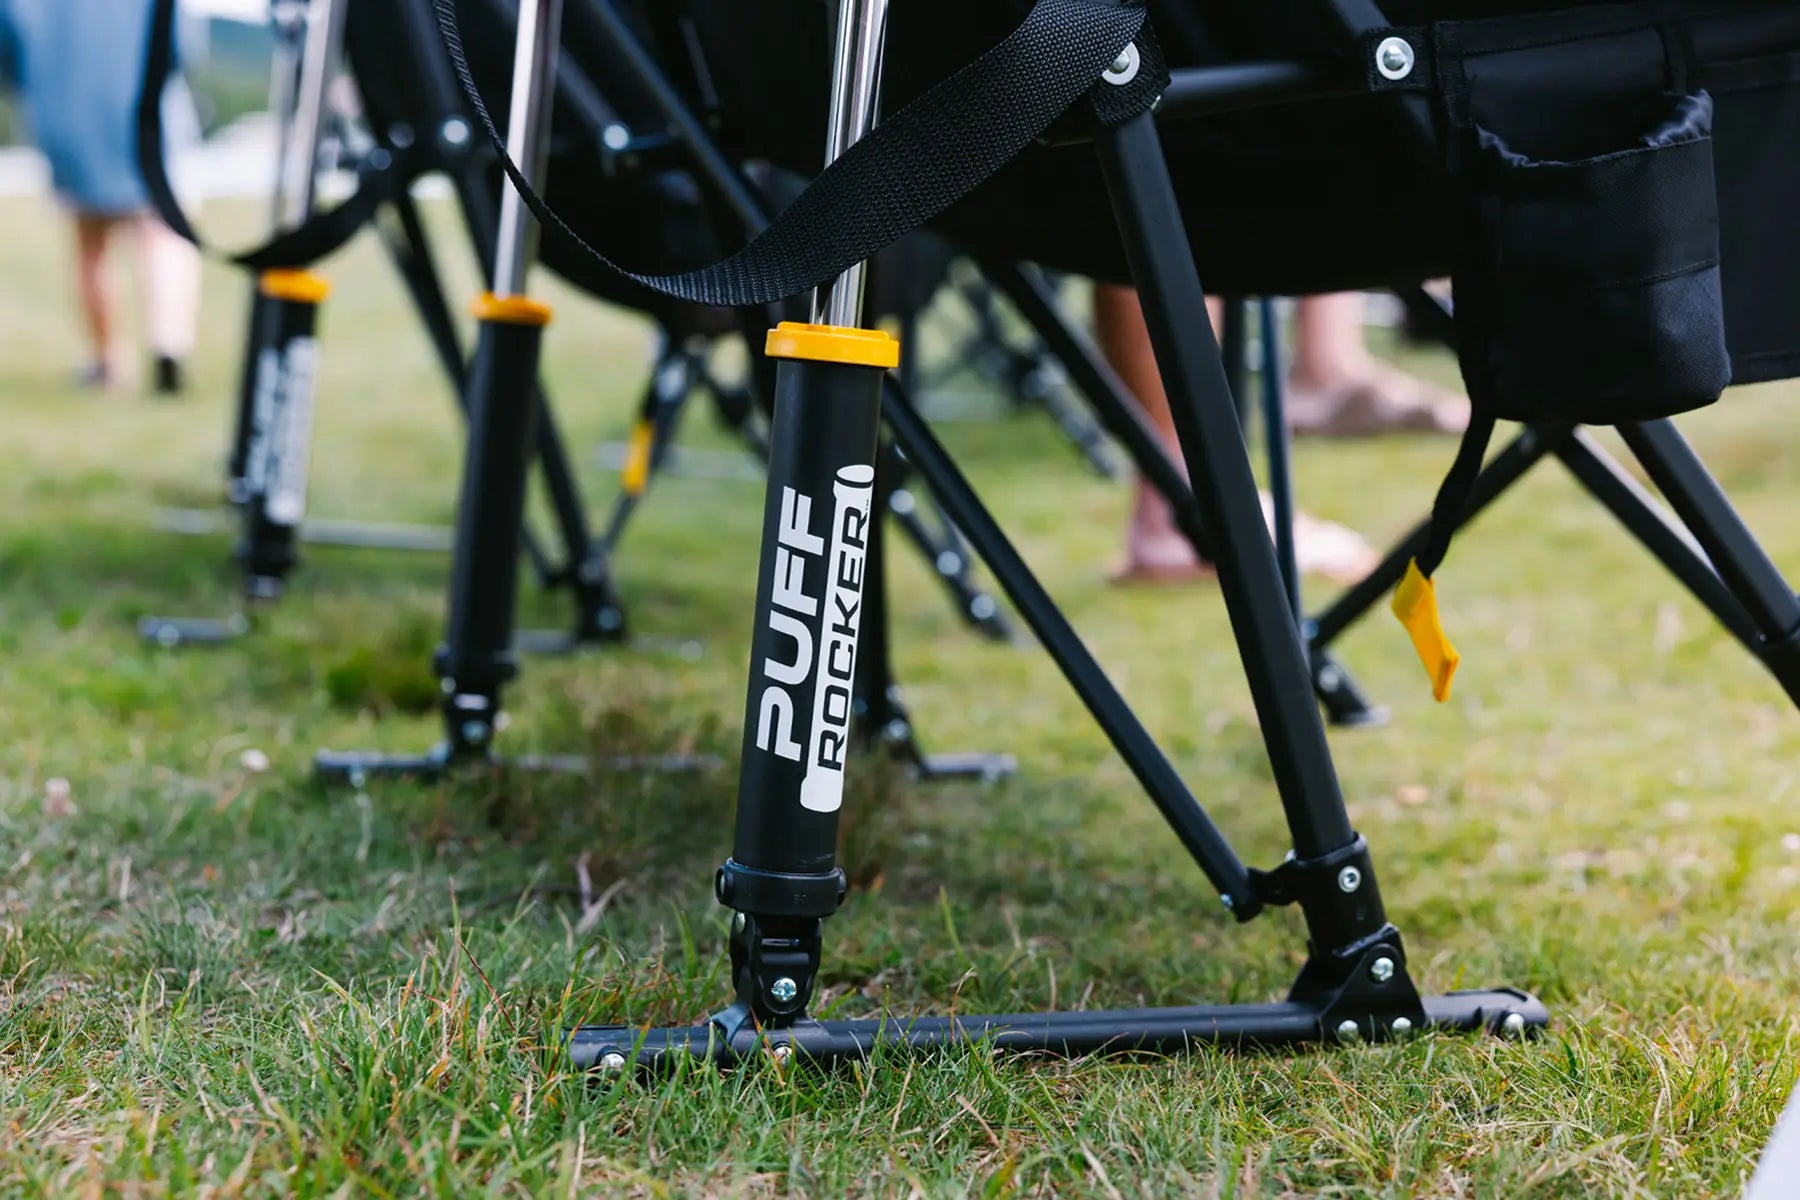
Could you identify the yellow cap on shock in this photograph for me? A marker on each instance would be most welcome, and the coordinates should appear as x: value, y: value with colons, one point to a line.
x: 511, y: 310
x: 833, y: 344
x: 301, y: 286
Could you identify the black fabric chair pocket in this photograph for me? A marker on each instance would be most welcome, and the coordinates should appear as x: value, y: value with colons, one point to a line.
x: 1588, y: 290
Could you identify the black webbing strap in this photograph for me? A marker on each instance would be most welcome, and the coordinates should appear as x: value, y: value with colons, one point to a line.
x: 910, y: 168
x: 1451, y: 508
x: 307, y: 243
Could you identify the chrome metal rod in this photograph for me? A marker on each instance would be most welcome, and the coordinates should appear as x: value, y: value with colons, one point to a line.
x: 298, y: 173
x: 289, y: 20
x: 855, y: 99
x: 527, y: 137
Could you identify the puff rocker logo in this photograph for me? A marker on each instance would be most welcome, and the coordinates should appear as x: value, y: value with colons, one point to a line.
x: 793, y: 612
x: 281, y: 424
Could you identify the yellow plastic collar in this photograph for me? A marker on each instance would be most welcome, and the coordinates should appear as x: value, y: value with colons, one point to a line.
x: 1415, y: 604
x: 511, y: 310
x: 301, y: 286
x: 636, y: 475
x: 833, y: 344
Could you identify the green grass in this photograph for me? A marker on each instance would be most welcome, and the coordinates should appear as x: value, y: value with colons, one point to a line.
x: 222, y: 982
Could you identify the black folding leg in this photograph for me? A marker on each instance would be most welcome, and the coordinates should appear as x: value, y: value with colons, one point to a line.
x: 881, y: 715
x: 1343, y: 698
x: 1766, y: 596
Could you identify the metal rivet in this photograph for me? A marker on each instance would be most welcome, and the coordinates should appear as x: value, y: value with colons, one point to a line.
x: 1394, y: 58
x: 1330, y: 678
x: 983, y: 607
x: 1402, y: 1027
x: 455, y: 131
x: 1382, y: 969
x: 1349, y: 879
x: 475, y: 731
x: 737, y: 922
x: 1513, y: 1025
x: 615, y: 137
x: 784, y: 990
x: 1348, y: 1031
x: 1125, y: 67
x: 949, y: 562
x: 783, y: 1053
x: 612, y: 1060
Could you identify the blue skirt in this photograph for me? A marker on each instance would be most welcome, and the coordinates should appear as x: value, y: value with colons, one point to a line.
x: 79, y: 65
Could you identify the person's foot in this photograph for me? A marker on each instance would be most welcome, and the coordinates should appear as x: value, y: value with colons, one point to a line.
x: 169, y: 381
x: 95, y: 377
x: 1379, y: 399
x: 1156, y: 552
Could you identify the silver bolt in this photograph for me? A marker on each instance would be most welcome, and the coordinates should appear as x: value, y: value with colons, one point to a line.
x: 1348, y: 1031
x: 615, y: 137
x: 1124, y: 68
x: 1513, y: 1025
x: 1349, y: 879
x: 901, y: 501
x: 737, y: 922
x: 949, y: 562
x: 783, y: 1053
x: 612, y: 1060
x: 1330, y: 678
x: 1394, y: 58
x: 983, y: 607
x: 475, y: 731
x: 1402, y: 1027
x: 784, y: 990
x: 455, y: 131
x: 1381, y: 970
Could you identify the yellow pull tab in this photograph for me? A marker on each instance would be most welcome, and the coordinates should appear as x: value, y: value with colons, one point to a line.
x: 636, y: 474
x: 1415, y: 604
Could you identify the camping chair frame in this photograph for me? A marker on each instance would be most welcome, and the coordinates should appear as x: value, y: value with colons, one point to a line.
x: 1355, y: 983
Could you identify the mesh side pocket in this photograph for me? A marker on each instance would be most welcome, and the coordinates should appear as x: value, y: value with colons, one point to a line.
x: 1588, y: 290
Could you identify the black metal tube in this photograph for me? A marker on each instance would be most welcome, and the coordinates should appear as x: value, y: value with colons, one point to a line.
x: 1667, y: 540
x: 1234, y: 352
x: 477, y: 655
x: 1275, y: 659
x: 1114, y: 716
x: 1195, y: 91
x: 418, y: 271
x: 1704, y: 508
x: 1502, y: 471
x: 275, y: 472
x: 1119, y: 1031
x: 1281, y: 455
x: 816, y: 515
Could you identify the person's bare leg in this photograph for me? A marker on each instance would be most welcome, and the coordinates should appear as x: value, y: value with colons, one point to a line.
x: 169, y: 274
x: 1338, y: 388
x: 93, y: 286
x: 1155, y: 548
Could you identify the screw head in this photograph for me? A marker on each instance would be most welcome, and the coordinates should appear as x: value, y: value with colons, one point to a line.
x: 1330, y: 678
x: 1125, y: 67
x: 1349, y: 879
x: 455, y: 132
x: 1348, y: 1031
x: 983, y: 607
x: 783, y: 1053
x: 475, y: 732
x: 1394, y: 58
x: 1402, y: 1027
x: 949, y: 562
x: 784, y: 990
x: 1513, y: 1025
x: 737, y: 922
x: 1382, y: 970
x: 612, y: 1060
